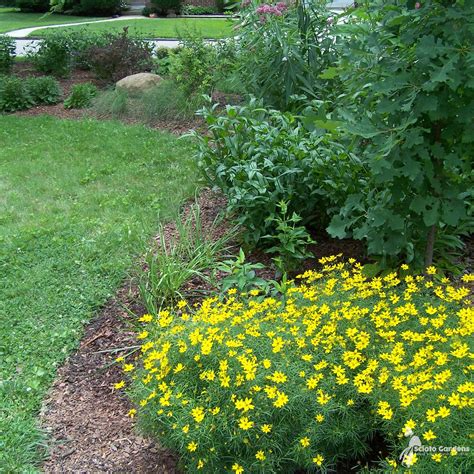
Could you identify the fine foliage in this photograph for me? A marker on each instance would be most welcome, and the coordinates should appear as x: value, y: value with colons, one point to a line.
x: 306, y: 380
x: 409, y: 103
x: 260, y: 158
x: 81, y: 96
x: 7, y: 54
x: 164, y: 103
x: 284, y: 50
x: 190, y: 253
x: 44, y: 90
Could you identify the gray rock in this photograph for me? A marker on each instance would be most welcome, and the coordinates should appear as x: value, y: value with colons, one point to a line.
x: 138, y: 82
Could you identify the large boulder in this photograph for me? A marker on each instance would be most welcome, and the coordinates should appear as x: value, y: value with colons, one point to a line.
x: 137, y: 83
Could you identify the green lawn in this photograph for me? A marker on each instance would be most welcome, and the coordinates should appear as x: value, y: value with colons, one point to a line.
x: 10, y: 19
x: 79, y: 200
x: 157, y: 27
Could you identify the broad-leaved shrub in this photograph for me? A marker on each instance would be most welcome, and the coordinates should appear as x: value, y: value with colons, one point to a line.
x: 7, y: 54
x: 260, y: 157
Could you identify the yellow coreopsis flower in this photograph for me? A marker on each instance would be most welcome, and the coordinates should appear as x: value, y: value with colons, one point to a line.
x: 192, y: 446
x: 429, y: 435
x: 260, y: 455
x: 318, y: 460
x: 266, y: 428
x: 119, y: 385
x: 237, y: 468
x: 305, y: 442
x: 245, y: 424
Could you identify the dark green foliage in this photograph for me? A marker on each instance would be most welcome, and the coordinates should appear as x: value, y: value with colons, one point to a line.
x: 97, y: 7
x: 7, y: 54
x: 410, y: 106
x: 33, y: 5
x: 121, y: 56
x: 260, y: 158
x: 165, y: 6
x: 81, y: 96
x: 14, y: 94
x: 44, y: 90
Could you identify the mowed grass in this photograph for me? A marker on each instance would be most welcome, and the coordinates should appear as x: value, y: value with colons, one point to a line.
x: 79, y: 200
x: 11, y: 19
x: 211, y: 28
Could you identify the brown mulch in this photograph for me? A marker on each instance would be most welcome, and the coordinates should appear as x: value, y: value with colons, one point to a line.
x: 85, y: 418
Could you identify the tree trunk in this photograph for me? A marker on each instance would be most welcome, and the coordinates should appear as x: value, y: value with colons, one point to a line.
x: 430, y: 246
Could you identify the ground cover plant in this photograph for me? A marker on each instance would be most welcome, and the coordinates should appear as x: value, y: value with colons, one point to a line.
x: 80, y: 199
x: 11, y: 19
x: 19, y: 94
x: 81, y: 96
x: 157, y: 28
x: 307, y: 378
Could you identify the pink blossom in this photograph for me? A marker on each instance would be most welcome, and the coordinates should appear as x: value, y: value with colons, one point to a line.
x: 417, y: 5
x: 267, y: 9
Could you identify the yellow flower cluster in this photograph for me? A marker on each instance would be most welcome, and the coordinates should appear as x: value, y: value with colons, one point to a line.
x: 245, y: 378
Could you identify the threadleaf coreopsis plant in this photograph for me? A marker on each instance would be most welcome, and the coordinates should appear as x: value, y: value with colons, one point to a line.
x: 305, y: 380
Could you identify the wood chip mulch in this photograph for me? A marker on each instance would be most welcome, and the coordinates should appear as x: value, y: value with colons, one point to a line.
x: 84, y: 417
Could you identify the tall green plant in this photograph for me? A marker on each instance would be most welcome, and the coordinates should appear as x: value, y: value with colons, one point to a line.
x: 284, y: 50
x: 410, y: 107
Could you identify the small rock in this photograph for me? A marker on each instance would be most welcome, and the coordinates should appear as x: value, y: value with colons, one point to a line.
x: 138, y: 82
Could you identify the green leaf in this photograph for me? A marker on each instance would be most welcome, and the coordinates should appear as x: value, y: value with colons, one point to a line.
x: 337, y: 227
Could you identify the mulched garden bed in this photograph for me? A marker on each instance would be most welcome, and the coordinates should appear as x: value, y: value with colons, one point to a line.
x: 26, y: 69
x: 84, y: 417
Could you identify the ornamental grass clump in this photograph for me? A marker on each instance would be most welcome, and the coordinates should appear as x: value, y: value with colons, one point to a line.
x: 251, y: 383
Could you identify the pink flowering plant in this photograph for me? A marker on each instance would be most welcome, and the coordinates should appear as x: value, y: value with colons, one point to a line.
x: 285, y: 47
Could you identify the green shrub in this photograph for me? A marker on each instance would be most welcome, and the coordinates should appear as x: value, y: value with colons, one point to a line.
x: 306, y: 381
x: 259, y: 158
x: 44, y: 90
x: 53, y: 55
x: 7, y: 54
x: 198, y: 10
x: 165, y: 6
x: 193, y: 66
x: 120, y: 56
x: 81, y: 96
x: 33, y: 5
x: 14, y: 94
